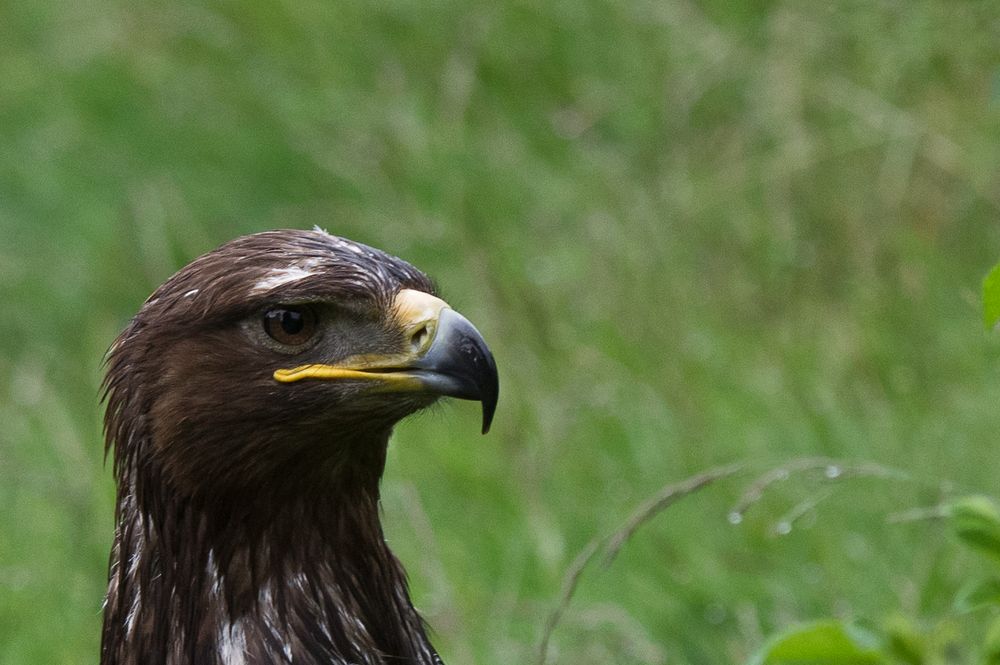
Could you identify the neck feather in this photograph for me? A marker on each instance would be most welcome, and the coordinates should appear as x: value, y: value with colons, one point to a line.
x: 300, y: 576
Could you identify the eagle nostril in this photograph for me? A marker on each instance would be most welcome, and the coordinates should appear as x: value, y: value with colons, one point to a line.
x: 419, y: 338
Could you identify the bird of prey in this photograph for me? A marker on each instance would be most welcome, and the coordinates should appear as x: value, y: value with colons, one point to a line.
x: 249, y: 406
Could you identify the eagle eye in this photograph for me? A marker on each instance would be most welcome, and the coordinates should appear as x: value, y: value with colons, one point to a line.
x: 291, y: 325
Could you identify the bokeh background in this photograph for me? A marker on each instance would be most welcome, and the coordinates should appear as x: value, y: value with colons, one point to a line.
x: 693, y: 232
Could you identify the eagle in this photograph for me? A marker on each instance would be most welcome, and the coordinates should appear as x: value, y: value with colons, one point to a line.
x: 249, y: 406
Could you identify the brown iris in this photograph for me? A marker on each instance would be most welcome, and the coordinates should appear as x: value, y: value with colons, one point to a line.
x: 291, y: 325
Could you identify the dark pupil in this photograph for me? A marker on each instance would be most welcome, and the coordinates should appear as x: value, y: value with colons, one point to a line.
x: 292, y: 322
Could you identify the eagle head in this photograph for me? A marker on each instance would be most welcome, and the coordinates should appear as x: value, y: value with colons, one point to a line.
x: 280, y: 360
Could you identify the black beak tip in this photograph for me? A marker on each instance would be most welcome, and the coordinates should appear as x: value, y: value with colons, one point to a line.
x: 485, y: 378
x: 481, y: 380
x: 459, y: 364
x: 487, y: 417
x: 489, y: 395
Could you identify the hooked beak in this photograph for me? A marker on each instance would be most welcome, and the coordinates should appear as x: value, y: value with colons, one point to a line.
x: 446, y: 356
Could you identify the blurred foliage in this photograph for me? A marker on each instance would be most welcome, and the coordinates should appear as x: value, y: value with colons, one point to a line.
x: 904, y: 641
x: 693, y: 232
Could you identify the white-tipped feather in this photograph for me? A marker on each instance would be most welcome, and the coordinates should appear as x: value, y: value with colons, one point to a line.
x: 280, y: 277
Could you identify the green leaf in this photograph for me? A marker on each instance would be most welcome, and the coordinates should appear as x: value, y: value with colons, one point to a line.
x: 991, y: 646
x: 905, y: 641
x: 821, y: 643
x: 984, y: 593
x: 976, y: 520
x: 991, y: 298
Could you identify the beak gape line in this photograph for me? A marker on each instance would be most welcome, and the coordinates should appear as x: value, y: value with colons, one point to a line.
x: 447, y: 357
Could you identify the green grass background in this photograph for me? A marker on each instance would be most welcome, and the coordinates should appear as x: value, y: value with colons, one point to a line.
x: 693, y: 233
